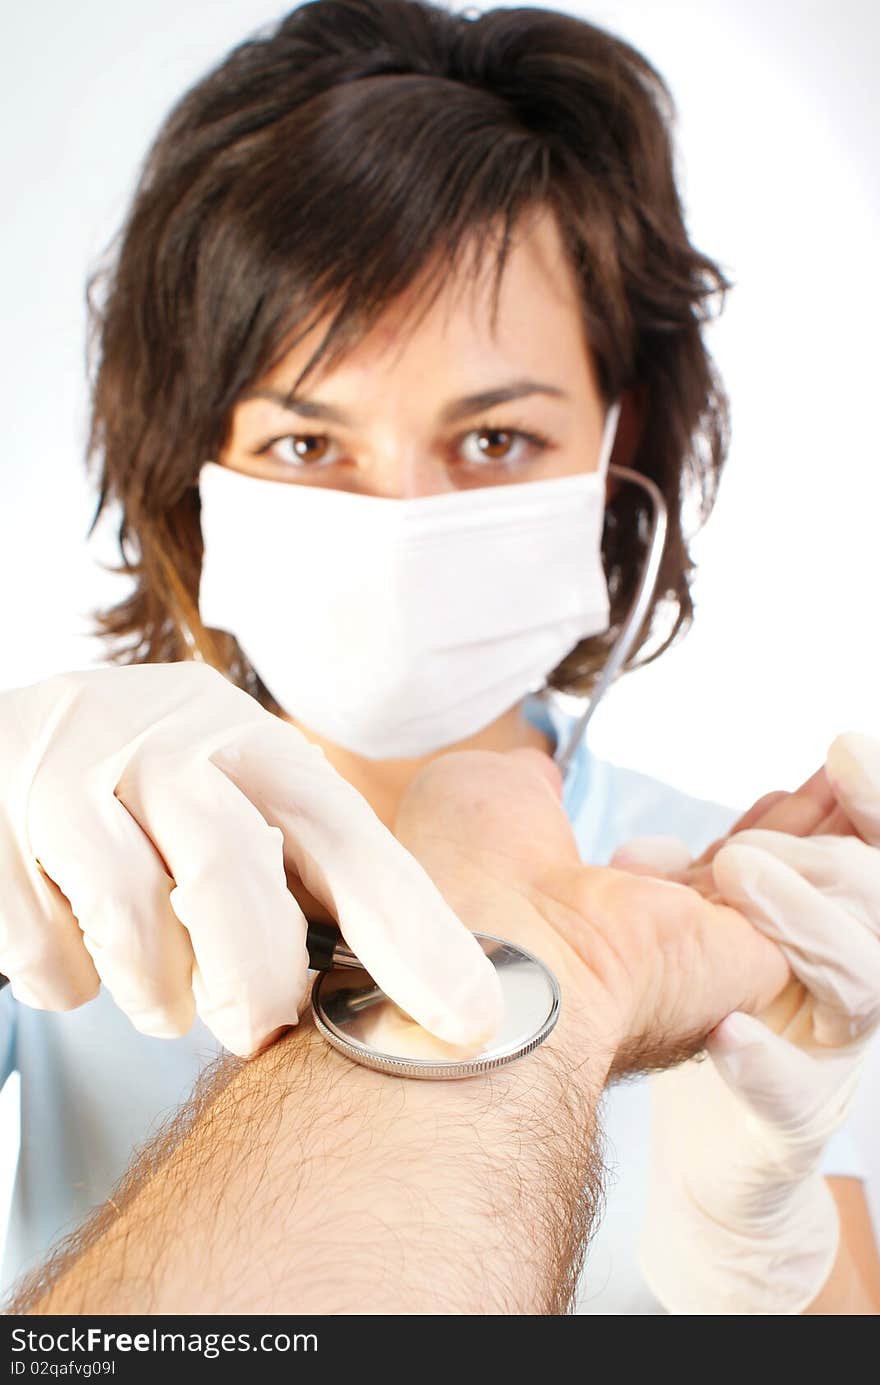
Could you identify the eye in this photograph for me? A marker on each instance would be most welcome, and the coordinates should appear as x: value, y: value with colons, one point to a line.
x: 483, y: 447
x: 500, y: 446
x: 300, y: 450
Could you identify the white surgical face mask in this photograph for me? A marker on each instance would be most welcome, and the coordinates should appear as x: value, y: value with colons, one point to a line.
x: 397, y: 627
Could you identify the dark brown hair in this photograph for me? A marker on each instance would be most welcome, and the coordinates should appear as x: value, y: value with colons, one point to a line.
x: 325, y: 166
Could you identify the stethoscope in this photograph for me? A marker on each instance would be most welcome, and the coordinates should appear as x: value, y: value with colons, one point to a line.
x: 359, y: 1020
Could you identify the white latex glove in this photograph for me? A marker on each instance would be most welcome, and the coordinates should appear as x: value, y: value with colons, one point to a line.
x: 740, y: 1218
x: 148, y: 816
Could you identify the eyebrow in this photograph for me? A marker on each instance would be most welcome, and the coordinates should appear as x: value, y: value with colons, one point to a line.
x: 452, y: 412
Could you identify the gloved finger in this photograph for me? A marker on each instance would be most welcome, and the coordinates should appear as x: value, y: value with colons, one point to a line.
x: 119, y: 892
x: 835, y: 956
x: 665, y: 856
x: 247, y: 931
x: 853, y: 768
x: 389, y: 910
x: 782, y: 1083
x: 41, y: 946
x: 844, y: 869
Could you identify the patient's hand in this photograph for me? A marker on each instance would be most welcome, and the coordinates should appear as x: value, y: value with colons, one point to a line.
x: 797, y: 867
x: 654, y: 963
x: 810, y: 810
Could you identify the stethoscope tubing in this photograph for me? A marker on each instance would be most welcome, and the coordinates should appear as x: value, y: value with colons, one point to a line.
x: 635, y: 619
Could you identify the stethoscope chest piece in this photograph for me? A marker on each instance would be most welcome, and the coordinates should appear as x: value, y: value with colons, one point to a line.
x: 360, y: 1020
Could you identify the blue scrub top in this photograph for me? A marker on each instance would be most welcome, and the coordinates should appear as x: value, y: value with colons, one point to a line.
x: 94, y: 1089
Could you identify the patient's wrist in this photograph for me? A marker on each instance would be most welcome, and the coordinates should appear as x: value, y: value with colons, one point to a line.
x: 599, y: 1008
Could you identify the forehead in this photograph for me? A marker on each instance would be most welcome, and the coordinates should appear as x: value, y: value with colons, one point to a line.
x: 537, y: 318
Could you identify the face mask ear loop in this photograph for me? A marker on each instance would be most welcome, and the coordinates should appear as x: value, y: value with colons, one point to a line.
x: 634, y: 620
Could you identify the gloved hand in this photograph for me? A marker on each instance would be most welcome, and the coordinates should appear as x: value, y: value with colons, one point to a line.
x: 149, y: 819
x: 740, y: 1218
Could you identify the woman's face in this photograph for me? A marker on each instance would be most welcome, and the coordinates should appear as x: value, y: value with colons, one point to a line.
x: 444, y: 405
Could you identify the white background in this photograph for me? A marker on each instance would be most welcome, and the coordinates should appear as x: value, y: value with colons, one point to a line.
x: 778, y: 139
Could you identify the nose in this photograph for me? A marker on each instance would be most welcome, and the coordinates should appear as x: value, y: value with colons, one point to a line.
x: 410, y: 477
x: 425, y: 480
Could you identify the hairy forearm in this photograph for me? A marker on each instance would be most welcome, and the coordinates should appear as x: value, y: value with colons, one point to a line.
x: 298, y: 1182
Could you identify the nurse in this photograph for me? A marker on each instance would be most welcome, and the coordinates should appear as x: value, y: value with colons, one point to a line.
x: 394, y: 288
